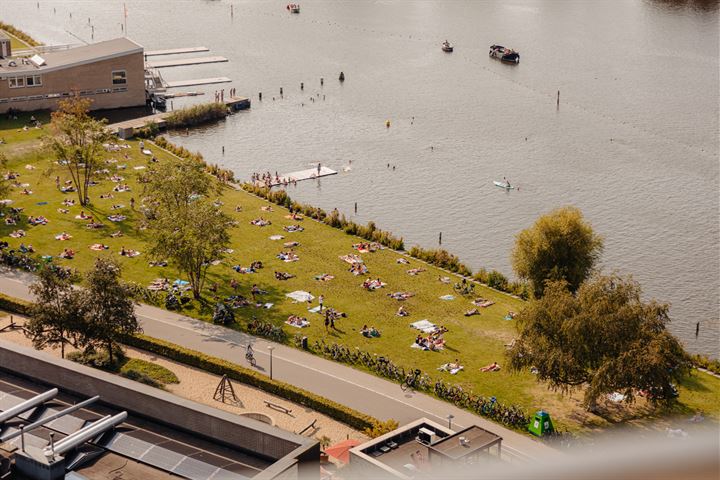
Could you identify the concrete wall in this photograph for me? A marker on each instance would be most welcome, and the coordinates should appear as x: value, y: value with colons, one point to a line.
x: 91, y: 78
x: 141, y: 400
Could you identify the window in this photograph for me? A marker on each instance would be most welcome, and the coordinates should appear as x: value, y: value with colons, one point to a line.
x: 16, y: 82
x: 119, y: 77
x: 34, y: 81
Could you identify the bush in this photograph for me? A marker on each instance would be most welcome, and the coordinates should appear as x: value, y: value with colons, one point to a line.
x: 710, y: 364
x: 157, y: 373
x: 220, y: 367
x: 381, y: 428
x: 441, y: 258
x: 196, y: 115
x: 149, y: 130
x: 141, y: 377
x: 99, y: 359
x: 19, y: 34
x: 14, y: 305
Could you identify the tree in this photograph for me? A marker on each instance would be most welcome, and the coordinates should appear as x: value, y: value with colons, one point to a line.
x: 108, y: 306
x: 56, y: 316
x: 192, y: 239
x: 185, y: 226
x: 77, y: 142
x: 604, y: 338
x: 559, y: 246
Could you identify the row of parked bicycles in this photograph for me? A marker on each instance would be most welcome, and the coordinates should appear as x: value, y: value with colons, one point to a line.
x: 414, y: 379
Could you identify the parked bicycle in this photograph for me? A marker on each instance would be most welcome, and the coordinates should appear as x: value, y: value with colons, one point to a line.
x: 410, y: 380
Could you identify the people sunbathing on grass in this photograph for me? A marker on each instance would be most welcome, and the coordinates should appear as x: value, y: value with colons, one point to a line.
x: 293, y: 228
x: 99, y: 247
x: 266, y: 208
x: 373, y: 284
x: 26, y: 248
x: 291, y: 244
x: 283, y: 275
x: 94, y: 225
x: 452, y: 367
x: 365, y: 247
x: 68, y: 202
x: 369, y: 332
x: 83, y: 216
x: 324, y: 277
x: 158, y: 263
x: 414, y: 271
x: 67, y: 189
x: 481, y: 302
x: 493, y: 367
x: 297, y: 321
x: 117, y: 178
x: 10, y: 175
x: 63, y: 210
x: 402, y: 261
x: 107, y: 195
x: 288, y: 256
x: 295, y: 216
x: 121, y: 188
x: 260, y: 222
x: 464, y: 287
x: 17, y: 233
x: 116, y: 234
x: 358, y: 269
x: 117, y: 206
x: 126, y: 252
x: 117, y: 217
x: 68, y: 254
x: 471, y: 312
x: 10, y: 221
x: 401, y: 295
x: 25, y: 191
x: 37, y: 220
x: 402, y: 312
x: 63, y: 236
x: 510, y: 315
x: 443, y: 279
x: 431, y: 342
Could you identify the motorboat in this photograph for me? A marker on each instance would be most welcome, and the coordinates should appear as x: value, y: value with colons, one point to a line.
x: 447, y: 47
x: 504, y: 184
x: 504, y: 54
x: 293, y: 7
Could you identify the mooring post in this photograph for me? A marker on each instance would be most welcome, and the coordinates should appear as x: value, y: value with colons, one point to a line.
x: 260, y: 96
x: 558, y: 99
x: 322, y: 81
x: 302, y: 86
x: 440, y: 239
x: 281, y: 92
x: 355, y: 208
x: 697, y: 329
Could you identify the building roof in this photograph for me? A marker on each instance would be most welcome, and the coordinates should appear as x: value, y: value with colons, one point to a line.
x: 72, y: 57
x: 475, y: 438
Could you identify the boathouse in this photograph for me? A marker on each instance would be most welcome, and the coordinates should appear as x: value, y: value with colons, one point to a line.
x: 110, y: 73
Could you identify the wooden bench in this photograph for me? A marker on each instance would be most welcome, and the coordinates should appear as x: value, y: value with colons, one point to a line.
x: 277, y: 407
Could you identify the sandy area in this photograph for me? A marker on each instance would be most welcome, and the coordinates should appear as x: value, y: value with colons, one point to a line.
x: 200, y: 386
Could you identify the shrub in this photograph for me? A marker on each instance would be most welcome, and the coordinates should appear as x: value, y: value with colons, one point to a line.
x: 149, y: 130
x: 381, y: 428
x: 196, y: 115
x: 220, y: 367
x: 441, y: 258
x: 710, y: 364
x: 99, y: 359
x: 157, y: 373
x: 14, y: 305
x: 141, y: 377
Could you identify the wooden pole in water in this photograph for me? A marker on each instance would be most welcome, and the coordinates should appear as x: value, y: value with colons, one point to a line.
x: 260, y: 96
x: 355, y: 208
x: 302, y: 86
x: 697, y: 329
x: 440, y: 239
x: 231, y: 11
x: 558, y: 99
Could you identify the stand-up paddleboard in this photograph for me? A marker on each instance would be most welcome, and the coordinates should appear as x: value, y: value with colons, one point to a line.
x: 504, y: 185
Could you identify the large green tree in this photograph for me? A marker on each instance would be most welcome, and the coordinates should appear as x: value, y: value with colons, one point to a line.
x: 185, y: 226
x: 77, y: 142
x: 603, y: 339
x: 108, y: 307
x: 561, y: 245
x: 56, y: 316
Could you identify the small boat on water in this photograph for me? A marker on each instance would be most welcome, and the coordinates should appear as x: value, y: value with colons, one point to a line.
x: 293, y: 7
x: 506, y: 185
x: 504, y: 54
x: 447, y: 47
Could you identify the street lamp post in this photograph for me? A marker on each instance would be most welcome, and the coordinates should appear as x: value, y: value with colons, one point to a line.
x: 271, y: 348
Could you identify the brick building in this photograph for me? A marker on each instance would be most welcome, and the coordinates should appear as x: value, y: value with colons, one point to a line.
x: 110, y: 73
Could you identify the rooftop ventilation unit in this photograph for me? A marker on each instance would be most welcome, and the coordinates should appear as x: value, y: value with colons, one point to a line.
x: 37, y: 60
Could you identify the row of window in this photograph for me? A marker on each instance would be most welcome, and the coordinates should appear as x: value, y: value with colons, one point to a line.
x: 119, y: 77
x: 83, y: 93
x: 29, y: 81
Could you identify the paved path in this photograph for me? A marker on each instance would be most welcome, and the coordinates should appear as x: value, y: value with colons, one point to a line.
x: 359, y: 390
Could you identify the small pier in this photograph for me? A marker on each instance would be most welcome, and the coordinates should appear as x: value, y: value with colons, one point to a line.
x: 176, y: 51
x: 309, y: 174
x: 127, y: 128
x: 183, y: 62
x: 199, y: 81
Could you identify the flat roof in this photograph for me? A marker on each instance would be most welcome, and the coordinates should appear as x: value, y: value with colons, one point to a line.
x: 72, y: 57
x: 475, y: 438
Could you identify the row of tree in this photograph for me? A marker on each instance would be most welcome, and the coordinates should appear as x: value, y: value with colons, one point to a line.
x: 586, y: 330
x: 99, y: 315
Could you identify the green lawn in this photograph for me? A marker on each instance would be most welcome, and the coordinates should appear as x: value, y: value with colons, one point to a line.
x: 476, y: 341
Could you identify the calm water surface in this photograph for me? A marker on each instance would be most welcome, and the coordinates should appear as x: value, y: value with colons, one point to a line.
x: 634, y: 143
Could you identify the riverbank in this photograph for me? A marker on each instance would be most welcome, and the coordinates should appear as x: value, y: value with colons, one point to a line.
x: 475, y: 341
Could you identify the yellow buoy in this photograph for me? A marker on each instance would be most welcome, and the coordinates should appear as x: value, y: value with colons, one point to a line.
x: 387, y: 123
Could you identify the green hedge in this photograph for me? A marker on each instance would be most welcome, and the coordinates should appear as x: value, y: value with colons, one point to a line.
x: 218, y: 366
x: 196, y: 115
x: 14, y: 305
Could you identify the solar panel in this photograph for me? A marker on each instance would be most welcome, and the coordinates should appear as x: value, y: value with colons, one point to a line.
x: 66, y: 424
x: 127, y: 446
x: 222, y: 474
x: 194, y: 469
x: 162, y: 458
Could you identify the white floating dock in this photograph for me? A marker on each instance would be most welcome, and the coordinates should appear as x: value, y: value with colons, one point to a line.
x: 198, y: 81
x: 176, y: 51
x: 185, y: 62
x: 309, y: 174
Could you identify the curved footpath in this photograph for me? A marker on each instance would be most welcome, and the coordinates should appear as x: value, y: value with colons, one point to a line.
x: 362, y: 391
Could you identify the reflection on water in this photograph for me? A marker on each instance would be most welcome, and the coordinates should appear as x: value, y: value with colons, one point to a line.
x: 634, y: 143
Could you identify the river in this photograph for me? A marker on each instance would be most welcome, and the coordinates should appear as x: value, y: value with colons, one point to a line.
x: 633, y: 144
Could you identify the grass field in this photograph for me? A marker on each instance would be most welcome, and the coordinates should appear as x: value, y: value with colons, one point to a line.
x: 476, y: 341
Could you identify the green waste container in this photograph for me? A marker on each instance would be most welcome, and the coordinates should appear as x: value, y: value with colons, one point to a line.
x: 541, y: 424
